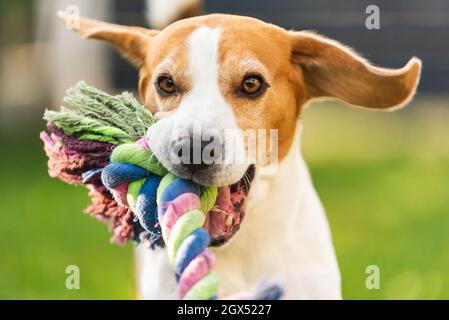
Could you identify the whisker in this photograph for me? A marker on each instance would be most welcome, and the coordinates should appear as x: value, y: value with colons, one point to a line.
x: 246, y: 180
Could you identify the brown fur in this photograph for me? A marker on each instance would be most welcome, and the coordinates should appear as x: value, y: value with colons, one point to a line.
x: 297, y: 65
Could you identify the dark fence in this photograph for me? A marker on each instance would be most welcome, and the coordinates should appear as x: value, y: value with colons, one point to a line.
x: 407, y: 28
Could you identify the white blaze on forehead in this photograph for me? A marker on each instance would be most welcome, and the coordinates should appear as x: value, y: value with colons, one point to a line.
x: 205, y: 102
x: 202, y: 110
x: 203, y: 57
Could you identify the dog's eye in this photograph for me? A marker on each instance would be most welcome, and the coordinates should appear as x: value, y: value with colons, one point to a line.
x: 253, y: 85
x: 166, y: 86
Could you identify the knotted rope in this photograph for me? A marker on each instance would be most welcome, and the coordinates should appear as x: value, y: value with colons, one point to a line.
x: 172, y: 211
x: 169, y: 208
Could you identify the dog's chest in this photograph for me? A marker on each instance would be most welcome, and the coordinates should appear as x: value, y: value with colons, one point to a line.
x: 284, y: 238
x: 252, y: 256
x: 154, y: 275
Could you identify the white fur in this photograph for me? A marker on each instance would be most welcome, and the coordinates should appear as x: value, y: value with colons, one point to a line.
x: 153, y: 274
x: 204, y: 103
x: 162, y: 12
x: 285, y: 237
x: 202, y: 107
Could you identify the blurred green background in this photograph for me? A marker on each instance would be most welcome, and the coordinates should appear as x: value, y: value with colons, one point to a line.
x: 383, y: 177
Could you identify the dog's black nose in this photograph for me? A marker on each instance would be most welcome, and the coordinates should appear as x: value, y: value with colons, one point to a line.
x: 195, y: 153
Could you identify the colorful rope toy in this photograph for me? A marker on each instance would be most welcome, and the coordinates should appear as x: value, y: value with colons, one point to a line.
x: 182, y: 206
x: 100, y: 142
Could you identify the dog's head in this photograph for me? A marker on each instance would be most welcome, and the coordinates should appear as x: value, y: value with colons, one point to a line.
x: 209, y: 80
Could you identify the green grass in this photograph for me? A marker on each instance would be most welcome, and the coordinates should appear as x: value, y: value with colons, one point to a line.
x: 43, y: 231
x: 383, y: 179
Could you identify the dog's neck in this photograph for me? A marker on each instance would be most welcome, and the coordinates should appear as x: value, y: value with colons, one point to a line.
x: 287, y: 173
x: 284, y: 237
x: 275, y: 199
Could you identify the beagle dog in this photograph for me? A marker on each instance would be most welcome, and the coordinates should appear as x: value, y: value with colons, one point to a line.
x: 234, y: 72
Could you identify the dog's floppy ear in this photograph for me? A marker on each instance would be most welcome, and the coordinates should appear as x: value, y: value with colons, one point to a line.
x: 333, y: 70
x: 131, y: 42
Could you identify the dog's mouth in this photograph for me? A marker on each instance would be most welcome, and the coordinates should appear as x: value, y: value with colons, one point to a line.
x: 224, y: 220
